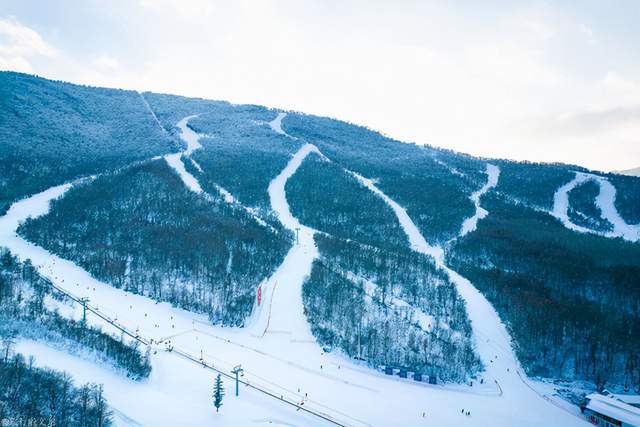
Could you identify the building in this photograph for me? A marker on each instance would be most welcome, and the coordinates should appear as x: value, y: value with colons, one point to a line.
x: 608, y: 411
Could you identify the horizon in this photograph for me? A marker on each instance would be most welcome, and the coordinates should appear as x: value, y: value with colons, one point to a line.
x: 527, y: 81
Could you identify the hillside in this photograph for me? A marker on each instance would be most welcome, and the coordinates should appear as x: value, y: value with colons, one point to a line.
x: 317, y: 253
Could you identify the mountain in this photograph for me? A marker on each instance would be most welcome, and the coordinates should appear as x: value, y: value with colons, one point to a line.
x: 629, y: 172
x: 318, y: 254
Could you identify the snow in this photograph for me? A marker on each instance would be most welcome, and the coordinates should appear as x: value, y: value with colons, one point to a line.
x: 188, y: 135
x: 605, y: 201
x: 276, y: 124
x: 417, y: 241
x: 160, y: 400
x: 471, y: 223
x: 285, y: 360
x: 190, y: 181
x: 282, y: 309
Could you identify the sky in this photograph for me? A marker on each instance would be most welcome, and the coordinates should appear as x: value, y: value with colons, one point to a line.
x: 525, y: 80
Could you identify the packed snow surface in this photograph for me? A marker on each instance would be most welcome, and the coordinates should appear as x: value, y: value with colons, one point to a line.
x: 276, y: 124
x: 285, y: 360
x: 471, y: 223
x: 605, y: 201
x: 282, y: 309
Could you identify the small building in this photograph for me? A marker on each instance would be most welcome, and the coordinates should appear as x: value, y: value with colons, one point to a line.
x: 607, y: 411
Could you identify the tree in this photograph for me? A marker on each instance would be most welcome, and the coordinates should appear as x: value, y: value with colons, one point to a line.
x: 218, y: 393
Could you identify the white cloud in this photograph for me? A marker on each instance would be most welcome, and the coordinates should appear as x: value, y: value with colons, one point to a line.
x: 19, y: 44
x: 106, y: 62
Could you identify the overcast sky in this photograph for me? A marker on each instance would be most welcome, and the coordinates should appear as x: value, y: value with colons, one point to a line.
x: 543, y: 81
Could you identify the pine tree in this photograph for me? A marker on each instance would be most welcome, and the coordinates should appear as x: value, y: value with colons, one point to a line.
x: 218, y: 393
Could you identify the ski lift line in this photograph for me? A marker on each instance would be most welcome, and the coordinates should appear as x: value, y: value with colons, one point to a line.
x: 287, y: 362
x: 298, y: 407
x: 142, y: 340
x: 294, y: 393
x: 98, y: 313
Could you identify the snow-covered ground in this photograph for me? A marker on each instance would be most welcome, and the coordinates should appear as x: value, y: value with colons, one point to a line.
x: 286, y: 361
x: 605, y: 201
x: 281, y: 311
x: 471, y: 223
x: 276, y: 124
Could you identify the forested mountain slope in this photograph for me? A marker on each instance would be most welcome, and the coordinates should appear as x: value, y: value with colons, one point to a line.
x: 560, y: 267
x: 140, y: 229
x: 52, y: 132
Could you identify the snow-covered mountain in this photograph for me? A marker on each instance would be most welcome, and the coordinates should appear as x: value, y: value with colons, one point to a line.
x: 152, y: 241
x: 630, y: 172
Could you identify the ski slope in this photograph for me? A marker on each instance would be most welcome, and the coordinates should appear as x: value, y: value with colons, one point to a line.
x: 471, y: 223
x: 277, y: 354
x: 492, y: 340
x: 282, y: 310
x: 276, y: 124
x: 605, y: 201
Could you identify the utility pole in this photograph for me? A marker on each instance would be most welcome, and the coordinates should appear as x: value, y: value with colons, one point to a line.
x: 237, y: 370
x: 84, y: 302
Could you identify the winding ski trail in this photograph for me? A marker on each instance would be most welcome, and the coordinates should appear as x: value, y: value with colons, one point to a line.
x: 276, y: 124
x: 471, y: 223
x: 282, y: 308
x: 492, y: 340
x: 605, y: 201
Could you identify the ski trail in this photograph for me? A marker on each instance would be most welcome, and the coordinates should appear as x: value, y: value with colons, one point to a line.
x: 276, y: 125
x: 492, y: 340
x: 471, y: 223
x: 282, y: 308
x: 175, y: 161
x: 417, y: 241
x: 605, y: 201
x: 188, y: 135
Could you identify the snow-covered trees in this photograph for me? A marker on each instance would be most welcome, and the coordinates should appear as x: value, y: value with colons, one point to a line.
x: 33, y: 396
x: 140, y: 229
x: 25, y: 313
x: 389, y: 307
x: 218, y: 393
x: 52, y: 132
x: 571, y: 300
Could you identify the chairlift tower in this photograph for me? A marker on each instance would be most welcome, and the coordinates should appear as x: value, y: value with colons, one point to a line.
x: 84, y: 302
x: 237, y: 370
